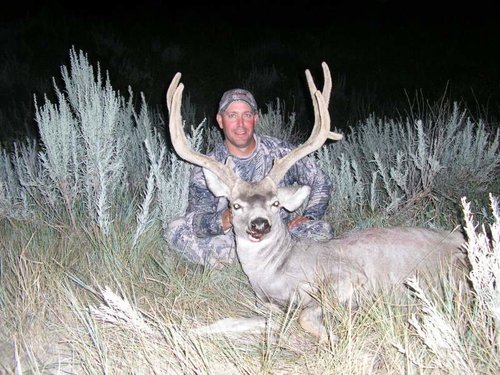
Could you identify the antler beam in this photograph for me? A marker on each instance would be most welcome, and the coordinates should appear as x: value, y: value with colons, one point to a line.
x: 180, y: 141
x: 321, y: 129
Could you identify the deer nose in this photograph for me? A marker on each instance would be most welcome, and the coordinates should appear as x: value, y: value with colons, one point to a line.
x: 260, y: 224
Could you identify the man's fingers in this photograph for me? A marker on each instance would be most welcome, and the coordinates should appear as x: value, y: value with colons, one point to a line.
x: 297, y: 221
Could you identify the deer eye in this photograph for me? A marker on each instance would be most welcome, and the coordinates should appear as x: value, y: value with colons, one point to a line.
x: 276, y: 204
x: 236, y: 206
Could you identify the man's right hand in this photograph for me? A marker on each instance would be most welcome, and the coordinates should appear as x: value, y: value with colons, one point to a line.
x: 227, y: 219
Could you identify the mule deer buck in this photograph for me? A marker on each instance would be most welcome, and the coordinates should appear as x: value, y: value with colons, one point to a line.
x: 282, y: 270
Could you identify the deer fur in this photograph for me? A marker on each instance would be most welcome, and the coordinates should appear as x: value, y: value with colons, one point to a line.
x: 282, y: 270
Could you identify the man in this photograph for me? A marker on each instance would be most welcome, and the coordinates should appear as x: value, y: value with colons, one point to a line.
x: 204, y: 234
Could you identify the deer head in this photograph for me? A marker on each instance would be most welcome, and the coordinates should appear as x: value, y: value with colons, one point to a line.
x: 256, y: 205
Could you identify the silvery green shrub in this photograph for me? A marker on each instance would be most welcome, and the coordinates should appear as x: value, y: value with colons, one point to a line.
x: 483, y: 250
x: 277, y: 123
x: 89, y: 157
x: 84, y: 140
x: 386, y: 165
x: 98, y: 154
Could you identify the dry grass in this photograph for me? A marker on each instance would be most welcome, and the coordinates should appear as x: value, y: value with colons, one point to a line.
x: 73, y: 302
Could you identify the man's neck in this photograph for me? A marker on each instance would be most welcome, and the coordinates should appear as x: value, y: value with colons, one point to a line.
x: 241, y: 152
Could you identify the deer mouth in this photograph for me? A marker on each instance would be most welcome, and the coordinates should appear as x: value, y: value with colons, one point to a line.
x: 255, y: 235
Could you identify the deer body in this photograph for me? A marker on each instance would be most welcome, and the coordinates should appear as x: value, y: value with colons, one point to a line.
x: 369, y: 259
x: 282, y: 270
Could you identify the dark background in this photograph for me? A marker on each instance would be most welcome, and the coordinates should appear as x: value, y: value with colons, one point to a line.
x: 387, y: 52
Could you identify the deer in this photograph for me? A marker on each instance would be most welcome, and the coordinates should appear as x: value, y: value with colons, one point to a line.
x: 282, y: 270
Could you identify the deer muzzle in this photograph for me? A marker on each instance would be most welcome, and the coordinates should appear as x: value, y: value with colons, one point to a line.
x: 258, y: 228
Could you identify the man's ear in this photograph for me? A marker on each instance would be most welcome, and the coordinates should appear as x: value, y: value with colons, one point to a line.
x: 219, y: 120
x: 216, y: 186
x: 292, y: 197
x: 256, y: 117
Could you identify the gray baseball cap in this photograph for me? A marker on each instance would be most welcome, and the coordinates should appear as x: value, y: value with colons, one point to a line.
x: 237, y: 94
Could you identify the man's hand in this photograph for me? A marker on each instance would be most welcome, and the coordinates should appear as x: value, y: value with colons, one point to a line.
x: 296, y: 221
x: 227, y: 219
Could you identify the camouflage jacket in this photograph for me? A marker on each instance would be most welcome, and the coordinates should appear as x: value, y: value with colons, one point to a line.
x: 207, y: 209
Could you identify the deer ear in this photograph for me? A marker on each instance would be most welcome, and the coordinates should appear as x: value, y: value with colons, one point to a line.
x: 214, y: 183
x: 291, y: 197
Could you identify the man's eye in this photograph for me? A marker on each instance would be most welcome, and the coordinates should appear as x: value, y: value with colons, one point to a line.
x: 248, y: 115
x: 236, y: 206
x: 276, y: 204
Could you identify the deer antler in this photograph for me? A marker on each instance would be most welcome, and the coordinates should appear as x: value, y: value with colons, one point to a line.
x: 320, y: 133
x: 180, y: 142
x: 321, y: 129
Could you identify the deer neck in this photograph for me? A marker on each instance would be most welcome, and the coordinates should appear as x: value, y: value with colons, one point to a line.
x: 267, y: 254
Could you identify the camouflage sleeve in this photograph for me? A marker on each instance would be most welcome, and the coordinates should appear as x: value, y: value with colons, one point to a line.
x: 203, y: 205
x: 307, y: 172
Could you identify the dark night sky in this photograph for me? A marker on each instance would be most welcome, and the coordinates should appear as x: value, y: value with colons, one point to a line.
x: 273, y: 12
x: 472, y: 28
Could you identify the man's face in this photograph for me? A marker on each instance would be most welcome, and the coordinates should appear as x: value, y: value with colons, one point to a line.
x: 238, y: 122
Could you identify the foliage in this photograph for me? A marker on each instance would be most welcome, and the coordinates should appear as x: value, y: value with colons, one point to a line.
x: 483, y: 250
x: 390, y: 167
x: 84, y: 207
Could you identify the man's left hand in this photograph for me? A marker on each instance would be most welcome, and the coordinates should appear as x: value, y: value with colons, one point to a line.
x: 296, y: 221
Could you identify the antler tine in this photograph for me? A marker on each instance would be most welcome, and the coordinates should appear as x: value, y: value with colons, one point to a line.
x: 180, y: 141
x: 327, y: 85
x: 312, y: 91
x: 321, y: 130
x: 327, y: 89
x: 172, y: 88
x: 315, y: 141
